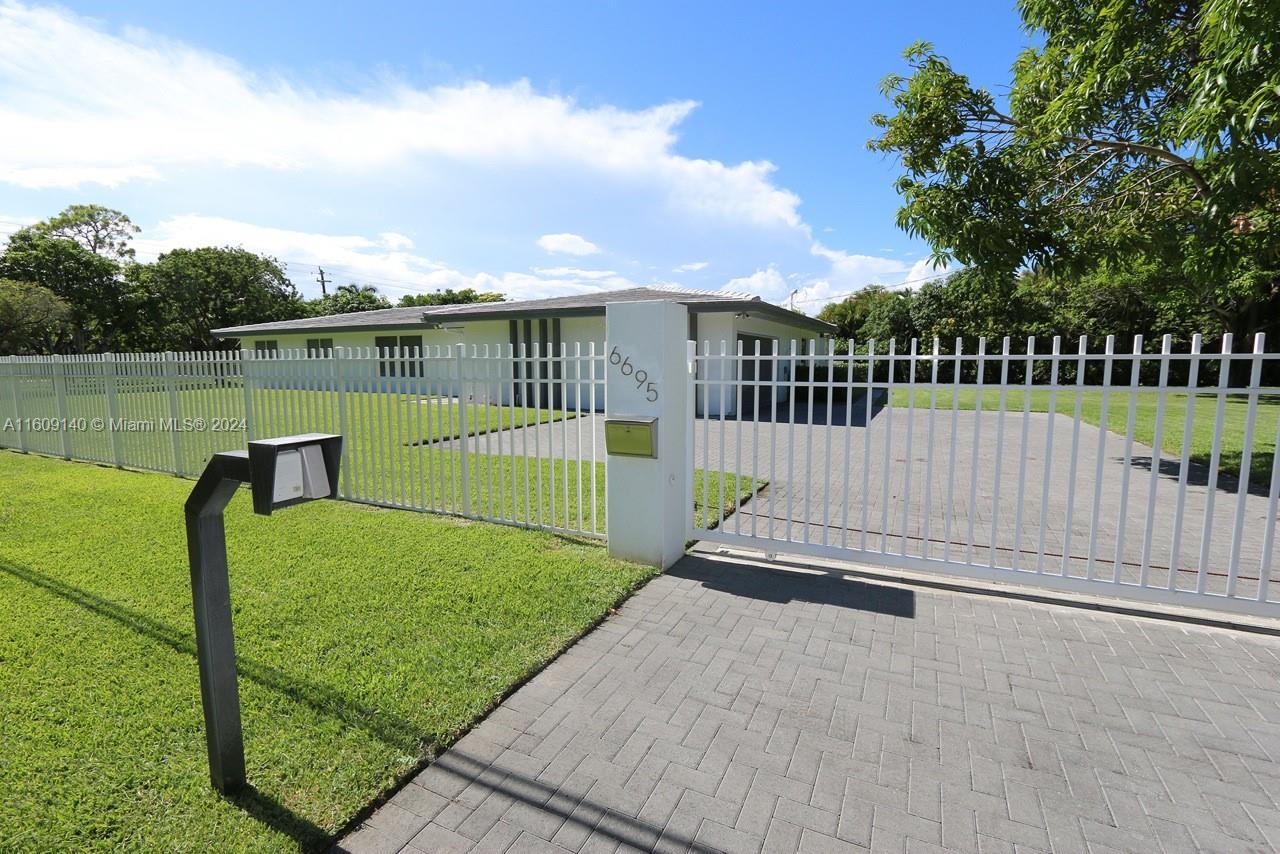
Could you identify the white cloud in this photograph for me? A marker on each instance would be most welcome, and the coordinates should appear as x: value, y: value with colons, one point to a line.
x: 923, y: 271
x: 768, y: 284
x: 393, y: 240
x: 852, y: 271
x: 384, y: 262
x: 153, y: 106
x: 567, y: 244
x: 692, y: 267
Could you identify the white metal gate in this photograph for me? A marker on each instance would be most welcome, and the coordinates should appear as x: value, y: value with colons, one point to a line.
x: 499, y: 433
x: 1098, y: 472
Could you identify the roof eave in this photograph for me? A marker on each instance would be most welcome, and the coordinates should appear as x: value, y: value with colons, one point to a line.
x: 438, y: 320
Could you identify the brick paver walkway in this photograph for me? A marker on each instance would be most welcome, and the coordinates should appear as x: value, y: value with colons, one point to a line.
x: 733, y: 708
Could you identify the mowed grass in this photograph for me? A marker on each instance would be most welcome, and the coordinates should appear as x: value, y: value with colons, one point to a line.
x: 366, y: 639
x: 1203, y: 415
x: 368, y: 419
x: 540, y: 492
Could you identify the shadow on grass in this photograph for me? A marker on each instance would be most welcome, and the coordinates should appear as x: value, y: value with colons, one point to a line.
x: 389, y: 729
x: 278, y: 817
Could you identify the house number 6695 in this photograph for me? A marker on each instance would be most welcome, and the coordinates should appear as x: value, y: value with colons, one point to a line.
x: 640, y: 375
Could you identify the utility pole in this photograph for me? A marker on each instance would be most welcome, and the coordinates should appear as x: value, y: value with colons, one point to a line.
x: 323, y: 281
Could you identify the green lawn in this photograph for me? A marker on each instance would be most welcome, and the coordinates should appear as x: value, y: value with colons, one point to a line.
x: 1203, y: 420
x: 391, y: 451
x: 518, y: 488
x: 367, y: 638
x: 372, y: 419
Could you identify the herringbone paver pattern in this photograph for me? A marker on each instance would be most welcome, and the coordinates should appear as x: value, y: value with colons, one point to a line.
x: 732, y: 708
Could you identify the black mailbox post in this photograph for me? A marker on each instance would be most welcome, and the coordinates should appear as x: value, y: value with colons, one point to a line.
x: 281, y: 472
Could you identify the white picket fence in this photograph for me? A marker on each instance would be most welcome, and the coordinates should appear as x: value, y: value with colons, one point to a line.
x: 1072, y: 471
x: 491, y: 433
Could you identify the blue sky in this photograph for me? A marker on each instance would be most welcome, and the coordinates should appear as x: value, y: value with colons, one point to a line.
x: 535, y: 149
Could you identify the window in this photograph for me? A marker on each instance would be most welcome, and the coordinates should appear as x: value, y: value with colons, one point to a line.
x: 319, y: 346
x: 411, y: 346
x: 263, y: 348
x: 410, y: 351
x: 385, y: 344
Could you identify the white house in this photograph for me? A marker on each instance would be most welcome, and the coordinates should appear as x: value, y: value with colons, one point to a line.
x: 547, y: 325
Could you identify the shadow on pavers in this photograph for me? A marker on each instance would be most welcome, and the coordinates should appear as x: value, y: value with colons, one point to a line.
x: 772, y: 585
x: 588, y: 815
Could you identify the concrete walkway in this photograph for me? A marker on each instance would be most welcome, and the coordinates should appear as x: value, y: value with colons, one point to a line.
x: 732, y: 708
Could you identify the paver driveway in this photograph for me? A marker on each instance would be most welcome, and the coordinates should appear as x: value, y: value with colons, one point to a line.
x: 734, y: 708
x: 1026, y: 528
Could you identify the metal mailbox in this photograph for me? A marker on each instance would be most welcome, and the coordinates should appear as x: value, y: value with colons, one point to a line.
x: 634, y: 436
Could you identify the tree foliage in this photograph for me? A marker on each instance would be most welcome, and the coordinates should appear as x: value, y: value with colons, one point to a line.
x: 33, y: 319
x: 1135, y: 131
x: 195, y: 290
x: 449, y: 296
x: 347, y: 299
x: 103, y: 231
x: 83, y: 258
x: 59, y: 254
x: 1121, y: 299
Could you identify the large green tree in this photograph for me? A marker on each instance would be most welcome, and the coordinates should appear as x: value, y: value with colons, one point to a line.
x: 33, y: 319
x: 103, y: 231
x: 1134, y: 130
x: 195, y: 290
x: 78, y: 255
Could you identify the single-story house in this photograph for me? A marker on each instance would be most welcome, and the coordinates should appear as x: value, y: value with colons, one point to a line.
x: 547, y: 323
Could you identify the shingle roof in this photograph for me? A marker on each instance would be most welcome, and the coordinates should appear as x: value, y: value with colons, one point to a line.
x: 577, y: 304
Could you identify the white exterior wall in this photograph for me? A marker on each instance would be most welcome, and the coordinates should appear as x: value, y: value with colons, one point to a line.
x: 725, y: 327
x: 577, y: 334
x: 582, y: 332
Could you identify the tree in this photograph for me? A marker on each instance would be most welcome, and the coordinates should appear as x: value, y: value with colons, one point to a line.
x: 449, y: 297
x: 347, y: 299
x: 849, y: 315
x: 33, y: 319
x: 889, y: 319
x: 103, y: 309
x: 1135, y: 130
x: 196, y: 290
x: 103, y: 231
x: 969, y: 304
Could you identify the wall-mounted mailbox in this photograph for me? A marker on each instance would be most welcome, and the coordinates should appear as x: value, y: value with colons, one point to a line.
x: 636, y: 436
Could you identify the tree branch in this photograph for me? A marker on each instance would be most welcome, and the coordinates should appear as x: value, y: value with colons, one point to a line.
x: 1203, y: 190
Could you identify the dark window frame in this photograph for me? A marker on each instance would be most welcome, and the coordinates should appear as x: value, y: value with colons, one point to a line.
x: 384, y: 345
x: 319, y: 346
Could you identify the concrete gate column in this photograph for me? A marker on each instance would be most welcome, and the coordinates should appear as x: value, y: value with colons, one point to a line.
x: 649, y: 500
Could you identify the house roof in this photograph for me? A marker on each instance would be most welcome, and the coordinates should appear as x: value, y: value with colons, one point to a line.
x: 576, y: 305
